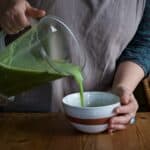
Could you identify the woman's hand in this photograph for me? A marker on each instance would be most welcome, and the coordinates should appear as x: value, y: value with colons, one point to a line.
x: 125, y: 112
x: 16, y: 14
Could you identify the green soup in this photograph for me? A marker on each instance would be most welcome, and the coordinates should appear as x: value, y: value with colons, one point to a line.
x: 16, y: 80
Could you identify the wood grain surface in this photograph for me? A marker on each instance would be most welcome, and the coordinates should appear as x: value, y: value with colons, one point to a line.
x: 51, y: 131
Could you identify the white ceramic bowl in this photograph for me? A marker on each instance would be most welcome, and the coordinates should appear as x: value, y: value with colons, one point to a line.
x: 94, y: 116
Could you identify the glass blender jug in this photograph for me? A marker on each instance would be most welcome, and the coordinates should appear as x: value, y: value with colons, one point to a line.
x: 42, y: 54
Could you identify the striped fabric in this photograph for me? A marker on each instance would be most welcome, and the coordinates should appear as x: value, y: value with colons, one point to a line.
x: 138, y: 50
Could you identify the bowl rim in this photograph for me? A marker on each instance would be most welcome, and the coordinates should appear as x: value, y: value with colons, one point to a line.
x: 90, y: 108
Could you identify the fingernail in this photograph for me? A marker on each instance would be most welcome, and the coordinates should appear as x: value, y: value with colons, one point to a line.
x: 117, y: 110
x: 110, y: 131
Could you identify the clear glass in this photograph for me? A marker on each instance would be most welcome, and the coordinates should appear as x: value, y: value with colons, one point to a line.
x: 58, y: 42
x: 50, y: 40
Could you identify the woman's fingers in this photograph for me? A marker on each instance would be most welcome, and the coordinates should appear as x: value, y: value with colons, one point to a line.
x: 129, y: 108
x: 119, y: 122
x: 35, y: 13
x: 125, y: 98
x: 7, y: 28
x: 120, y: 119
x: 21, y: 20
x: 17, y: 16
x: 14, y: 24
x: 125, y: 109
x: 124, y: 113
x: 116, y: 127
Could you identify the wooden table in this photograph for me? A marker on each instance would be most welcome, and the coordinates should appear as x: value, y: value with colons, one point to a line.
x: 50, y: 131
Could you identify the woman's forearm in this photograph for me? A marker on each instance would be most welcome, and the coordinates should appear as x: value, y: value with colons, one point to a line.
x: 128, y: 76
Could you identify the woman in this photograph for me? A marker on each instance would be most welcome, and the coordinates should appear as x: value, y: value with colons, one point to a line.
x: 104, y: 28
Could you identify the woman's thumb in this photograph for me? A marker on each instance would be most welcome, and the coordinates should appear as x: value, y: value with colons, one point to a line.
x: 35, y: 12
x: 125, y: 98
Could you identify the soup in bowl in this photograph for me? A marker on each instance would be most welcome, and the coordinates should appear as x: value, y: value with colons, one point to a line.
x: 96, y: 113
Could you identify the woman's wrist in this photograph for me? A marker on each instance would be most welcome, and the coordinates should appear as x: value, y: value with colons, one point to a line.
x: 120, y: 88
x: 127, y: 77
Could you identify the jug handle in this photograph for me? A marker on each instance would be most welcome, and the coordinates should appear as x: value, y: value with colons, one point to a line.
x: 2, y: 39
x: 4, y: 100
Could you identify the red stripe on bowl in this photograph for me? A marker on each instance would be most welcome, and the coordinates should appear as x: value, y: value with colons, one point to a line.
x: 89, y: 121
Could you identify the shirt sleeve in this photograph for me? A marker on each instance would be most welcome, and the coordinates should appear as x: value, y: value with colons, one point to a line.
x: 138, y: 50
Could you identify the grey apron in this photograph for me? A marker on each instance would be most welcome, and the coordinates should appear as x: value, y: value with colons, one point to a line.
x: 104, y: 28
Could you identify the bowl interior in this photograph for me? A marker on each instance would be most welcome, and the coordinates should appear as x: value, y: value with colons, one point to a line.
x: 91, y: 99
